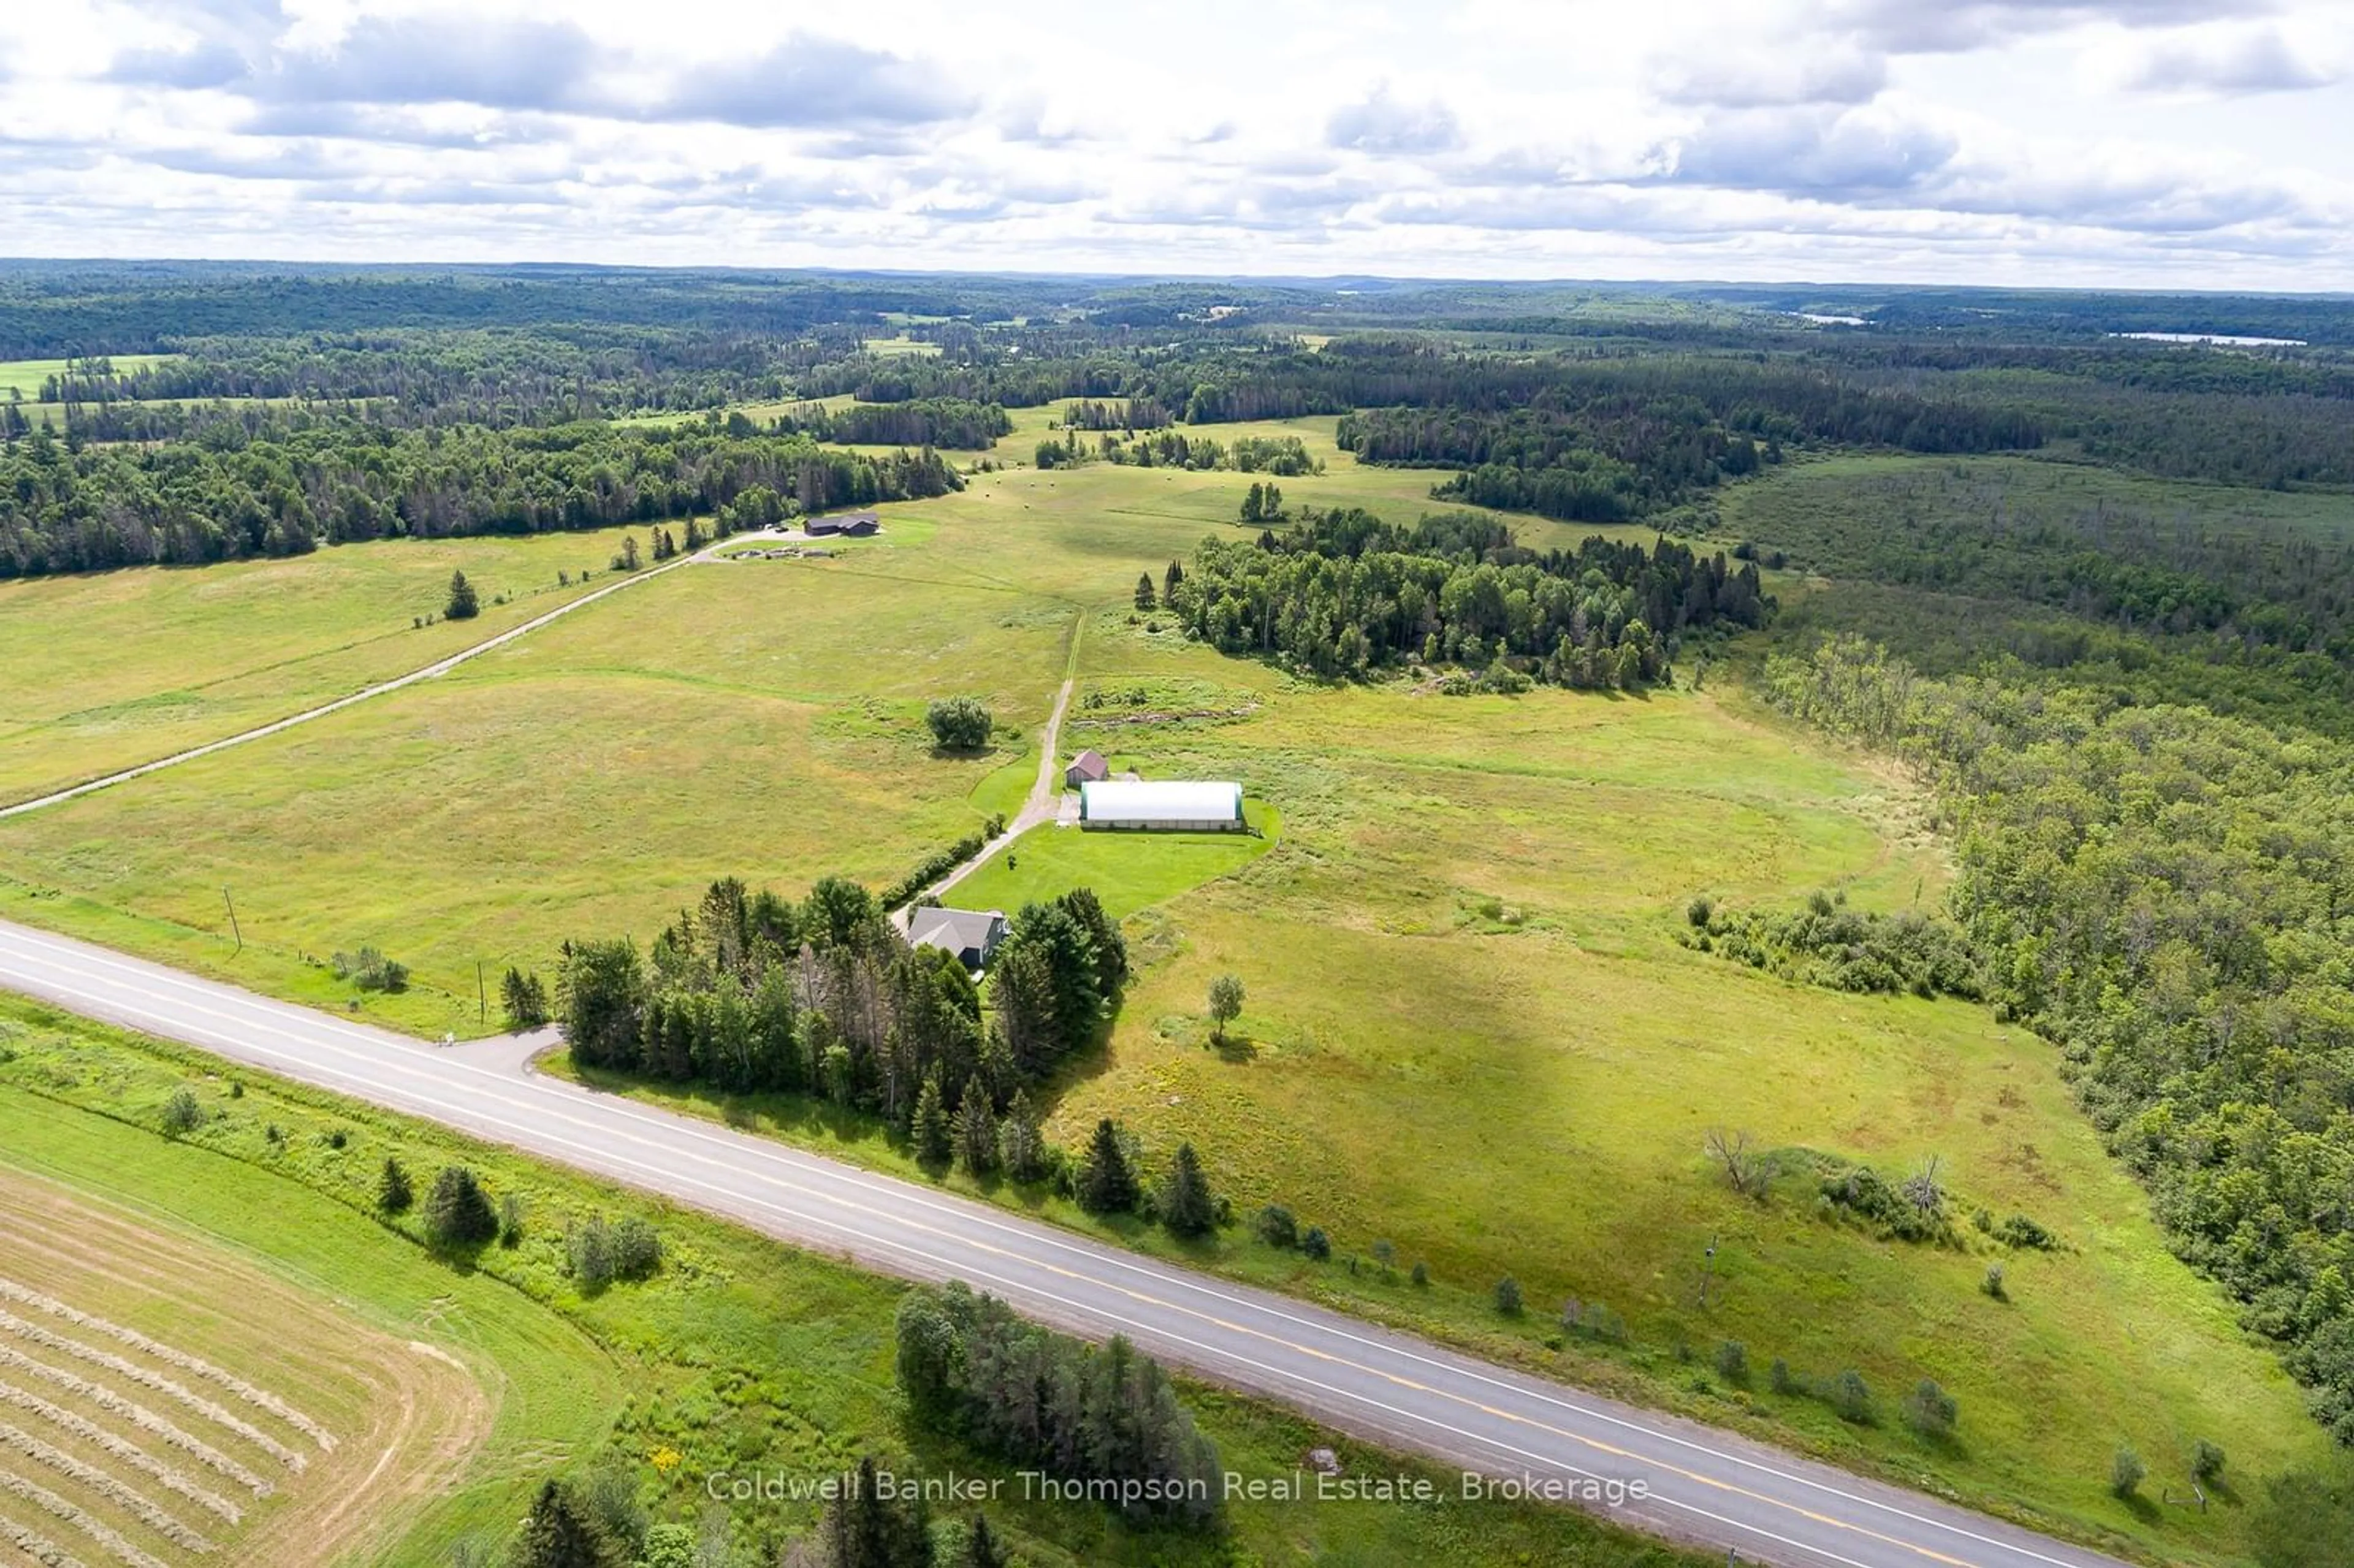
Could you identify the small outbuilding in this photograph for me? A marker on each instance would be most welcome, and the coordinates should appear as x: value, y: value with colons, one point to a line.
x: 1167, y: 805
x: 1087, y: 767
x: 972, y: 934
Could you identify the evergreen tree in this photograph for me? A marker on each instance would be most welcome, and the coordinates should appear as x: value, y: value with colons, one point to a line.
x: 1145, y: 597
x: 458, y: 1212
x: 1169, y: 581
x: 462, y: 605
x: 523, y: 998
x: 1186, y: 1205
x: 1021, y: 1144
x: 930, y: 1125
x: 559, y: 1533
x: 980, y: 1546
x: 393, y: 1192
x: 861, y: 1529
x: 1108, y: 1184
x: 976, y: 1128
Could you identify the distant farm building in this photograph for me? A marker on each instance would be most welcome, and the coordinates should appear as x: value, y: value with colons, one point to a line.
x: 972, y: 934
x: 1168, y: 806
x: 849, y: 524
x: 1087, y: 767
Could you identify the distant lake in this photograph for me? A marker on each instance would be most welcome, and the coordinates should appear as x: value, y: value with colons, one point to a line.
x: 2226, y: 339
x: 1830, y: 321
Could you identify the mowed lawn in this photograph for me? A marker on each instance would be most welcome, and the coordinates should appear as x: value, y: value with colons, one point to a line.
x: 108, y: 670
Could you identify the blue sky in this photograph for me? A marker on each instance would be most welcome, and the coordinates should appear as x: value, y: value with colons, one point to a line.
x: 2154, y: 143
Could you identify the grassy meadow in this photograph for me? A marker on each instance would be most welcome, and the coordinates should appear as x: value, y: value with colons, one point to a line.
x: 737, y: 1356
x: 109, y: 670
x: 1470, y: 1032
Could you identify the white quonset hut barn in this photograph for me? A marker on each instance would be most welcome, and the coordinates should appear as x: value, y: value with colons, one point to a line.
x: 1168, y: 806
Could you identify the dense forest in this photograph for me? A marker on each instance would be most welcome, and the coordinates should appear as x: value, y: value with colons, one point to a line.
x: 1342, y: 594
x: 2163, y: 894
x: 225, y: 494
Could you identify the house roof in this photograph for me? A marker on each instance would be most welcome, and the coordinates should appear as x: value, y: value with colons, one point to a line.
x: 1089, y: 762
x: 954, y: 929
x: 1159, y: 801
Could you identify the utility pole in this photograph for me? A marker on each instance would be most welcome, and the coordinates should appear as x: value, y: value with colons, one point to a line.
x: 1707, y: 1271
x: 234, y: 929
x: 482, y: 993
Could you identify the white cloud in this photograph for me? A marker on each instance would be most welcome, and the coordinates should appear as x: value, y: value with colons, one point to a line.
x: 2052, y: 141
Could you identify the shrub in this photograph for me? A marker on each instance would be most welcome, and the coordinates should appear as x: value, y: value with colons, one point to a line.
x: 181, y: 1114
x: 1508, y: 1297
x: 1698, y: 911
x: 2206, y: 1462
x: 458, y: 1211
x: 1421, y: 1275
x: 2018, y: 1230
x: 1277, y: 1226
x: 1780, y: 1378
x: 959, y: 724
x: 1592, y: 1320
x: 1316, y: 1244
x: 1930, y: 1410
x: 371, y: 970
x: 511, y: 1220
x: 637, y: 1249
x: 1850, y: 1397
x: 1992, y: 1285
x: 2126, y: 1473
x: 1733, y: 1362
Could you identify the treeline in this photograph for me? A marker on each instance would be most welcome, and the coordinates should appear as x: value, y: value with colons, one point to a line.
x: 955, y: 422
x: 751, y: 992
x: 498, y: 376
x: 2164, y: 893
x: 1286, y: 457
x: 988, y: 375
x: 1828, y: 944
x: 229, y: 494
x: 1103, y: 1417
x: 1123, y: 414
x: 1342, y: 594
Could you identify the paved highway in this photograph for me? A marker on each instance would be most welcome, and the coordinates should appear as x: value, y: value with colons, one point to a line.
x: 1699, y: 1485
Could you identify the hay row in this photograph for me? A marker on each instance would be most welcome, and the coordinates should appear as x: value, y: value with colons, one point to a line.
x: 37, y: 1547
x: 108, y: 1485
x: 122, y: 1448
x: 139, y: 1415
x: 146, y: 1378
x: 97, y: 1530
x: 260, y: 1398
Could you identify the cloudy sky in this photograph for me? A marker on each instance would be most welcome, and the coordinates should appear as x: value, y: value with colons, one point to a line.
x: 2167, y: 143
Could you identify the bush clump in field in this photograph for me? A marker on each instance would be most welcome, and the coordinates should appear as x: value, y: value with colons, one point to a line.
x: 2018, y: 1230
x: 971, y: 1367
x: 1508, y: 1297
x: 1592, y: 1320
x: 1850, y: 1398
x: 181, y: 1114
x: 598, y: 1251
x: 2126, y: 1473
x: 1828, y: 944
x: 959, y: 724
x: 371, y: 970
x: 458, y: 1212
x: 1732, y: 1363
x: 1277, y: 1226
x: 1930, y: 1411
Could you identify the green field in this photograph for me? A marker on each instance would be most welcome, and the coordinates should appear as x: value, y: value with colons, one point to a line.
x: 1470, y: 1032
x: 1132, y: 872
x: 739, y: 1355
x: 25, y: 375
x: 112, y: 669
